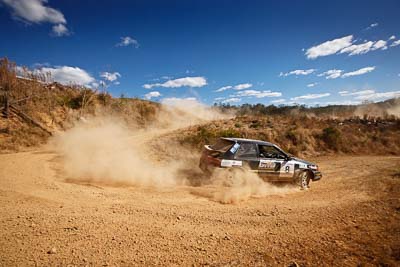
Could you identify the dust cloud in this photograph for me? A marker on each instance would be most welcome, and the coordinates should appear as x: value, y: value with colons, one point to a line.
x: 374, y: 110
x: 235, y: 185
x: 106, y: 150
x: 103, y: 150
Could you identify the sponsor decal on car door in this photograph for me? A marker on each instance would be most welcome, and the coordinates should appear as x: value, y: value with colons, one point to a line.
x: 269, y: 167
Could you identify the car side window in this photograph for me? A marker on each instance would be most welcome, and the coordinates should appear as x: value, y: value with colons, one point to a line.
x: 246, y: 150
x: 270, y: 152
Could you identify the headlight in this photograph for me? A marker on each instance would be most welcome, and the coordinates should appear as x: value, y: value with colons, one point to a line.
x: 313, y: 167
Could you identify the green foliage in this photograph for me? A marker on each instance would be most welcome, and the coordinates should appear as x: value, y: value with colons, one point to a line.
x: 74, y: 102
x: 229, y: 133
x: 331, y: 136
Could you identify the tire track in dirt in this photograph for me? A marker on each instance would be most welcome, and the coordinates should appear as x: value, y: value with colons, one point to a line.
x: 350, y: 217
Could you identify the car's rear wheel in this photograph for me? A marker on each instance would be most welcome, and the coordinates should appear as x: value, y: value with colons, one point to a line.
x: 303, y: 180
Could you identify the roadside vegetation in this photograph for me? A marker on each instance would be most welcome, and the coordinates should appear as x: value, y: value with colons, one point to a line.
x: 304, y: 135
x: 32, y: 109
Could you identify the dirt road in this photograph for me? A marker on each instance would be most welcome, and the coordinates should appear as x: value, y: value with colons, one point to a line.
x: 350, y: 217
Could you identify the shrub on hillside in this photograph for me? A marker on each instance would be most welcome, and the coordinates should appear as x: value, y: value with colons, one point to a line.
x: 331, y: 136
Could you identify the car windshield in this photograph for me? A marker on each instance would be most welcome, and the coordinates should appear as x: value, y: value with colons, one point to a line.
x: 270, y: 152
x: 222, y: 145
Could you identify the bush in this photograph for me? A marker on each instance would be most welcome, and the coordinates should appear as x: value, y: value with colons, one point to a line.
x: 291, y: 136
x: 238, y: 125
x: 331, y: 136
x: 229, y: 133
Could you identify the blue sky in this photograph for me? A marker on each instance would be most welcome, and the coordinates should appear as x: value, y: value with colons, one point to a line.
x: 270, y: 52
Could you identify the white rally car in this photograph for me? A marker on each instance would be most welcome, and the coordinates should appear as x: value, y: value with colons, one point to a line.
x: 268, y: 160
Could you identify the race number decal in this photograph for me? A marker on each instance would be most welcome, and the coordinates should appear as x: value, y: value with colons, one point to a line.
x: 287, y: 169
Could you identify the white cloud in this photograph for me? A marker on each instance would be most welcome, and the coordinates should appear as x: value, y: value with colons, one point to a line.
x: 395, y: 43
x: 223, y: 88
x: 297, y: 72
x: 258, y: 94
x: 359, y: 49
x: 232, y: 100
x: 311, y: 84
x: 343, y: 102
x: 110, y: 76
x: 278, y: 101
x: 378, y: 95
x: 381, y: 44
x: 334, y: 73
x: 370, y: 94
x: 60, y: 30
x: 35, y: 11
x: 310, y: 96
x: 373, y: 25
x: 392, y: 37
x: 151, y: 95
x: 329, y: 47
x: 236, y: 87
x: 356, y: 93
x: 94, y: 85
x: 242, y: 86
x: 358, y: 72
x: 186, y: 81
x: 125, y: 41
x: 331, y: 74
x: 180, y: 102
x: 68, y: 75
x: 346, y: 45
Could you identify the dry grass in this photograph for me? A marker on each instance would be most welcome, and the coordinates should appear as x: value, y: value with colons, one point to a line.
x: 304, y: 135
x: 298, y: 130
x: 56, y: 107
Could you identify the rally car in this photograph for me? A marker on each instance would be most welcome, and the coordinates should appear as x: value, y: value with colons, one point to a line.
x: 268, y: 160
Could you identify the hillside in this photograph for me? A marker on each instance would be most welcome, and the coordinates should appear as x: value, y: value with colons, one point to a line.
x: 304, y: 135
x: 39, y: 109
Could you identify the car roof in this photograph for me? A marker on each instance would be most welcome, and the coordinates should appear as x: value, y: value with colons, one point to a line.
x: 244, y: 140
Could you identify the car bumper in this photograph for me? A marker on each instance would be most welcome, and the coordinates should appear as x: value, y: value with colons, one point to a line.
x: 317, y: 175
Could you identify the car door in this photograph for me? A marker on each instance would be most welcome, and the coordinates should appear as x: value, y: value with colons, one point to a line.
x: 272, y: 163
x: 248, y: 154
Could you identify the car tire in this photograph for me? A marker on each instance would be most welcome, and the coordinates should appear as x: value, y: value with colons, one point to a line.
x: 303, y: 180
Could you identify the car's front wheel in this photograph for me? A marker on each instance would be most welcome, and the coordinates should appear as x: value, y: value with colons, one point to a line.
x: 303, y: 180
